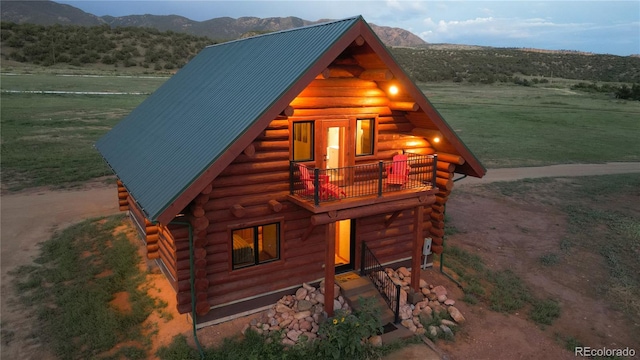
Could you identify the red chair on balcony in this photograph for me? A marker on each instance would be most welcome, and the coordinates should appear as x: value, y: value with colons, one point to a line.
x: 398, y: 172
x: 325, y: 188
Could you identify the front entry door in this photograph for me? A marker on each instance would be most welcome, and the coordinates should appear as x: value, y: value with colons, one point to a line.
x: 345, y: 243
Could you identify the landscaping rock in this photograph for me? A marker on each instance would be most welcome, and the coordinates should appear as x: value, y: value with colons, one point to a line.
x: 376, y: 341
x: 404, y: 272
x: 405, y: 312
x: 308, y: 287
x: 294, y: 334
x: 449, y: 302
x: 414, y: 297
x: 301, y: 293
x: 304, y: 305
x: 433, y: 331
x: 449, y: 323
x: 305, y: 325
x: 302, y: 314
x: 445, y: 329
x: 439, y: 290
x: 456, y: 315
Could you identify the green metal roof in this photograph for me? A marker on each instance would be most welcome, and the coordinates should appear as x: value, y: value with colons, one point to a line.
x: 177, y: 133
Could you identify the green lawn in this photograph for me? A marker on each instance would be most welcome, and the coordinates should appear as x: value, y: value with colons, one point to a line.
x: 48, y: 139
x: 78, y: 82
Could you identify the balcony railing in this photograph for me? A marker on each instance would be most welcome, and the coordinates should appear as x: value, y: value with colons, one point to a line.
x: 323, y: 185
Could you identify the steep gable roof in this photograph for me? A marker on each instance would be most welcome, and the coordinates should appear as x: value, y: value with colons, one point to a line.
x: 191, y: 120
x: 217, y: 104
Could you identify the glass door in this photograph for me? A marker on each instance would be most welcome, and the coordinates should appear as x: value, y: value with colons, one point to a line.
x: 345, y: 242
x: 335, y: 149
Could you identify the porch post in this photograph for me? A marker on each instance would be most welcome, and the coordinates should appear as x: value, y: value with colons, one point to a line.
x: 329, y: 268
x: 418, y: 220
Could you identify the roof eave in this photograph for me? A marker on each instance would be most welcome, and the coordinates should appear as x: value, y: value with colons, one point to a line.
x: 472, y: 165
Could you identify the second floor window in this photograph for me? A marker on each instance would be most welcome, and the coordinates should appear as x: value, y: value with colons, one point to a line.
x: 303, y: 141
x: 364, y: 137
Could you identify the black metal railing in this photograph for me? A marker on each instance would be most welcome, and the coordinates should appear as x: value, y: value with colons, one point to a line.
x: 390, y: 291
x: 321, y: 185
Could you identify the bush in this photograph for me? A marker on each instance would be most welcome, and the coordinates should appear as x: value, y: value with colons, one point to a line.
x: 545, y: 311
x: 344, y: 336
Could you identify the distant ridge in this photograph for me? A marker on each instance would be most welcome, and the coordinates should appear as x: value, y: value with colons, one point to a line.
x: 218, y: 29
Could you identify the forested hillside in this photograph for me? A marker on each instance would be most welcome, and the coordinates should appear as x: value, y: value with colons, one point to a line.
x: 85, y: 46
x: 152, y: 51
x: 488, y: 65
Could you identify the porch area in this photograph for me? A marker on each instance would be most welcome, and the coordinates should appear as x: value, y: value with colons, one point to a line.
x: 313, y: 187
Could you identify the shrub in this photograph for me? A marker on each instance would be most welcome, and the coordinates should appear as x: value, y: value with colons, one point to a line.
x: 545, y: 311
x: 344, y: 336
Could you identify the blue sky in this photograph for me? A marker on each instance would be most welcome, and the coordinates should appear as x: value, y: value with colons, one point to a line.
x: 611, y: 27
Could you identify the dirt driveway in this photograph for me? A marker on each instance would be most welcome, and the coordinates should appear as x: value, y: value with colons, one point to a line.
x: 29, y: 217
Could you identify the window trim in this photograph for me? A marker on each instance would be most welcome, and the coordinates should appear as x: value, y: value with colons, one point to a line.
x: 279, y: 221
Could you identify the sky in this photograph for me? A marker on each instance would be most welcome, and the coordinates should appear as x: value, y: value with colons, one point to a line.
x: 597, y: 26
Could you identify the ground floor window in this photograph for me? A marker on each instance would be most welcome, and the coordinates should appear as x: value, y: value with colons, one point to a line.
x: 256, y: 245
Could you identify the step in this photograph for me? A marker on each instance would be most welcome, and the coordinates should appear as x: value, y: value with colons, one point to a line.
x: 356, y: 287
x: 395, y: 332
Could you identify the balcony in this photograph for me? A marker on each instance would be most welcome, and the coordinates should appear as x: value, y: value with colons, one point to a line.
x: 313, y: 187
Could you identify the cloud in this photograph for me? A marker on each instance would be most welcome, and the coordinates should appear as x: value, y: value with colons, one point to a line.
x: 493, y: 27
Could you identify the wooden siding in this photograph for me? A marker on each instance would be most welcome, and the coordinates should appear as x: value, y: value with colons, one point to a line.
x: 254, y: 188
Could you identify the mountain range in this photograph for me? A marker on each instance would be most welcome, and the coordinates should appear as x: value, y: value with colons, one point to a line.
x: 218, y: 29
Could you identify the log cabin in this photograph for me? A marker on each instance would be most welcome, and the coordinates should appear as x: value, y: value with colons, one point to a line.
x: 266, y: 162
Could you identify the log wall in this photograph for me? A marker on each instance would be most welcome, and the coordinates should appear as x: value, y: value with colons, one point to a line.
x: 253, y: 190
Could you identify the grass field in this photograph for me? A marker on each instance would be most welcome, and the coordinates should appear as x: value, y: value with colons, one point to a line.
x: 513, y: 126
x: 103, y: 83
x: 47, y: 140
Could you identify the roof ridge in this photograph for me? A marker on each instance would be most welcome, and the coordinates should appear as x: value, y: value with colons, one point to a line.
x: 289, y: 30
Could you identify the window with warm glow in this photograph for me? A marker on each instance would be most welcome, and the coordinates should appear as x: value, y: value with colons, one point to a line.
x: 256, y: 245
x: 364, y: 137
x: 303, y: 141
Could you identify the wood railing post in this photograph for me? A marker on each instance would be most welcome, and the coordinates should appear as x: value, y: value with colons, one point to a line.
x: 316, y: 186
x: 380, y: 170
x: 291, y: 177
x: 435, y: 171
x: 396, y: 311
x: 362, y: 266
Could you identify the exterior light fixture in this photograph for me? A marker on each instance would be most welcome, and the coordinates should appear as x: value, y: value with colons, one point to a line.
x: 433, y: 136
x: 393, y: 90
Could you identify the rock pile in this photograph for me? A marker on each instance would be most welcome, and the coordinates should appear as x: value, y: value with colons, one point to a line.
x: 298, y: 316
x: 419, y: 308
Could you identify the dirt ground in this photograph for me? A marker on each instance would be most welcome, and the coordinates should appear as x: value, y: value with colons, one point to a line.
x: 489, y: 226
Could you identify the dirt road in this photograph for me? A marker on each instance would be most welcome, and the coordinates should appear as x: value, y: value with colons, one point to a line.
x: 29, y: 217
x: 512, y: 174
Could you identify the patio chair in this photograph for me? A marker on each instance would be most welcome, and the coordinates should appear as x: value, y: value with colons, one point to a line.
x: 325, y: 190
x: 398, y: 172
